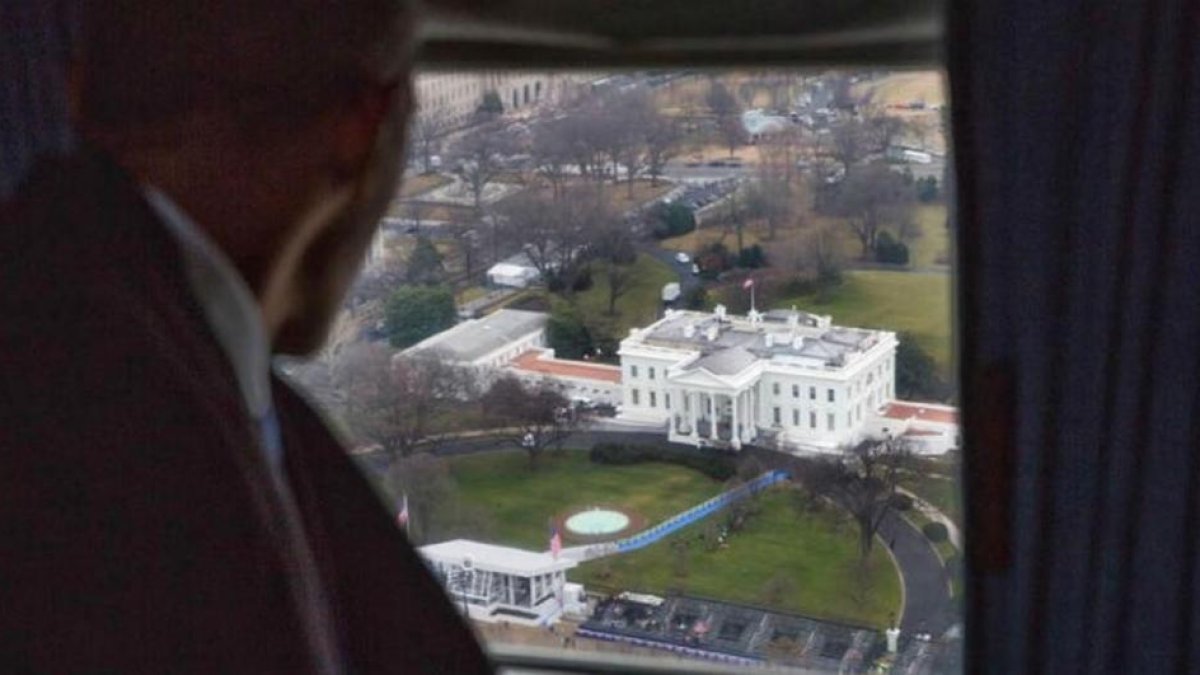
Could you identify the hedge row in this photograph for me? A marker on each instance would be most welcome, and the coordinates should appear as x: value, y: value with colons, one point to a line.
x: 712, y: 463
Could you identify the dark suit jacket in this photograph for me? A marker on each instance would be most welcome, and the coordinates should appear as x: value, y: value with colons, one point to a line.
x: 137, y: 530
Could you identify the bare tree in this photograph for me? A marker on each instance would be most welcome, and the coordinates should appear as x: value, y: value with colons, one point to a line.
x: 552, y: 152
x: 870, y: 198
x: 662, y: 138
x: 538, y: 416
x: 865, y: 482
x: 424, y: 133
x: 477, y: 156
x: 436, y: 511
x: 390, y: 401
x: 466, y: 240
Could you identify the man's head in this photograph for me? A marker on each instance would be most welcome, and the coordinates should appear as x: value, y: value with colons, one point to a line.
x: 278, y: 125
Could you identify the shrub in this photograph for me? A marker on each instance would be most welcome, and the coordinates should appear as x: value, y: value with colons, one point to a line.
x: 936, y: 532
x: 927, y: 189
x: 715, y: 464
x: 752, y: 257
x: 889, y: 250
x: 672, y: 220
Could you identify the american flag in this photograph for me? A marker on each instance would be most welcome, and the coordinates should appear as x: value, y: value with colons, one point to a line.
x: 748, y: 283
x: 555, y: 541
x: 403, y: 517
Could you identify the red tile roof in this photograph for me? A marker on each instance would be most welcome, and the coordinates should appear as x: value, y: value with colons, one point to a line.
x: 929, y: 413
x: 532, y: 361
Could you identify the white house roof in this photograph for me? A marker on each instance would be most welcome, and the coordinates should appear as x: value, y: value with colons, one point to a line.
x: 474, y: 339
x: 725, y: 362
x: 729, y: 344
x: 504, y: 559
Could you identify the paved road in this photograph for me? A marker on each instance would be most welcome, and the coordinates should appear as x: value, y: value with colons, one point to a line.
x: 687, y: 280
x: 928, y: 607
x: 678, y: 171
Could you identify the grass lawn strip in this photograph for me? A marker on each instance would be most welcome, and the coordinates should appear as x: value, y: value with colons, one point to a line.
x: 815, y: 554
x: 522, y: 502
x: 812, y: 553
x: 638, y: 306
x: 900, y: 301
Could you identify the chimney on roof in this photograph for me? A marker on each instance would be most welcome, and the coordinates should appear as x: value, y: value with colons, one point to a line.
x: 719, y: 311
x: 797, y: 342
x: 713, y: 331
x: 793, y: 318
x: 769, y: 338
x: 689, y: 330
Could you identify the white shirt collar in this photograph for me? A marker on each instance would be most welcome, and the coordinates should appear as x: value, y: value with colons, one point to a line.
x: 227, y: 302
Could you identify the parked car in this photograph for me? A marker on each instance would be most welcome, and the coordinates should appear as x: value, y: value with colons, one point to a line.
x: 682, y: 258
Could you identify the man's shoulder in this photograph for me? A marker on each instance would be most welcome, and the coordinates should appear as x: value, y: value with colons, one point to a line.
x: 95, y: 303
x: 77, y: 229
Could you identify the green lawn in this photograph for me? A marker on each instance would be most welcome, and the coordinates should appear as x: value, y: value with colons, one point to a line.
x: 933, y: 246
x: 899, y: 301
x: 639, y: 304
x: 815, y: 554
x: 523, y: 501
x: 943, y: 493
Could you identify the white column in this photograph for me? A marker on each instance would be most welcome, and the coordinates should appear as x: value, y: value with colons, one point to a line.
x: 753, y: 391
x: 693, y: 407
x: 735, y: 434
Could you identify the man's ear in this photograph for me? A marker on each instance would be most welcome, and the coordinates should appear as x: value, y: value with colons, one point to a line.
x: 357, y: 124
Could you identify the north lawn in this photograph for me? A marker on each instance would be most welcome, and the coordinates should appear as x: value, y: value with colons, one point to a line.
x: 523, y: 501
x: 809, y: 559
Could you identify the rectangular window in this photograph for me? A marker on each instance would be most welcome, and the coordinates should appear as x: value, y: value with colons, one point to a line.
x: 775, y: 388
x: 653, y: 399
x: 633, y: 370
x: 667, y: 401
x: 812, y: 420
x: 829, y: 393
x: 812, y: 393
x: 777, y: 417
x: 795, y: 417
x: 652, y: 372
x: 634, y: 393
x: 830, y: 422
x: 795, y: 391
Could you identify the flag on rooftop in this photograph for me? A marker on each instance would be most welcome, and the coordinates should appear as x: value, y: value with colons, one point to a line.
x: 748, y: 283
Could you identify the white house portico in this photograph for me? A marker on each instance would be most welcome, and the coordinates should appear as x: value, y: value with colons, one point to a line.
x: 783, y: 378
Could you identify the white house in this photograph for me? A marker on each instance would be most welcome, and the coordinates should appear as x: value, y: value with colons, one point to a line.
x: 783, y: 378
x: 499, y: 583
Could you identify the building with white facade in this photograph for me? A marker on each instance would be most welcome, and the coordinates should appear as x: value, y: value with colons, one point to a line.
x: 513, y: 341
x: 499, y: 583
x: 490, y: 342
x: 784, y: 378
x: 453, y: 97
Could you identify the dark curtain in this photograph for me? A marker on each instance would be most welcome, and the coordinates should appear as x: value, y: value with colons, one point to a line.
x: 1078, y: 147
x: 35, y: 49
